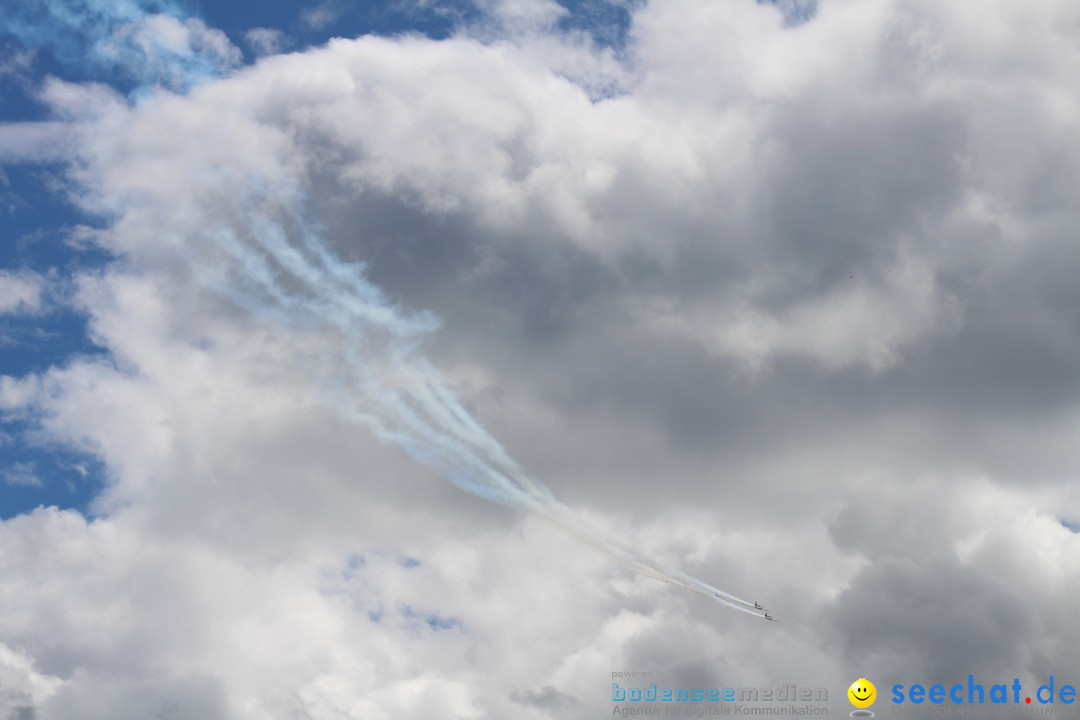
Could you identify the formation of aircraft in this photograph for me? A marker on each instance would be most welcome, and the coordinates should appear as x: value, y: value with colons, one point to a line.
x: 757, y: 606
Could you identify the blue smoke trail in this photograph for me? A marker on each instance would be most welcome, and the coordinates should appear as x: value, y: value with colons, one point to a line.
x: 263, y: 258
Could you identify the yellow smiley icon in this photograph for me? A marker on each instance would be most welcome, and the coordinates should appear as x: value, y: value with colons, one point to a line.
x: 862, y: 693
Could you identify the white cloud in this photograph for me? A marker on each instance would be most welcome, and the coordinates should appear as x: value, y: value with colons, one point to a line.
x: 15, y: 62
x: 17, y: 392
x: 517, y: 18
x: 149, y: 48
x: 22, y: 687
x: 863, y: 324
x: 21, y: 475
x: 323, y: 14
x: 266, y: 41
x: 21, y: 292
x: 515, y: 143
x: 43, y: 141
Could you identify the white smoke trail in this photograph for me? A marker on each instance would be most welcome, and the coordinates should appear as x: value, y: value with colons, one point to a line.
x: 287, y: 274
x: 261, y: 257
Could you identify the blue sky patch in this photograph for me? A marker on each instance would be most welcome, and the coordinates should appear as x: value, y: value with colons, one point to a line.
x: 796, y: 12
x: 433, y: 621
x: 607, y: 21
x: 34, y: 474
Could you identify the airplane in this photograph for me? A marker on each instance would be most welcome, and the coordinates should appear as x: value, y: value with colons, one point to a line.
x: 770, y: 617
x: 759, y: 606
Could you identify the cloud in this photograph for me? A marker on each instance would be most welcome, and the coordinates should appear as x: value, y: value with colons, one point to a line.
x: 865, y: 324
x: 15, y: 62
x: 36, y: 142
x: 22, y: 475
x: 517, y: 17
x: 17, y: 392
x: 23, y: 686
x: 149, y: 42
x: 21, y: 292
x: 164, y: 50
x: 266, y: 41
x: 792, y: 308
x: 323, y: 14
x: 970, y: 543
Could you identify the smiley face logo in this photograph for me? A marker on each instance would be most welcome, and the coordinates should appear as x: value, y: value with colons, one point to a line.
x: 862, y: 693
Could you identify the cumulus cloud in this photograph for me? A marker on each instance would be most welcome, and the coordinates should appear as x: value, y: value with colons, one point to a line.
x: 791, y: 306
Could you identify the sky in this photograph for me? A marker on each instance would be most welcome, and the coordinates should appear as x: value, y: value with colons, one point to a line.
x: 335, y: 339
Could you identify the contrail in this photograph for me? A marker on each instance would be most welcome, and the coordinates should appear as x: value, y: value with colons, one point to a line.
x: 262, y: 257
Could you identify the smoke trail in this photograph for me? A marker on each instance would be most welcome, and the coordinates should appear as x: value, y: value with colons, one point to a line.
x: 277, y: 269
x: 262, y: 257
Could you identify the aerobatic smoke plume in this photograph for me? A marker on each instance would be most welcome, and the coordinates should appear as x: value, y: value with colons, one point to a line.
x: 254, y: 247
x: 384, y: 382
